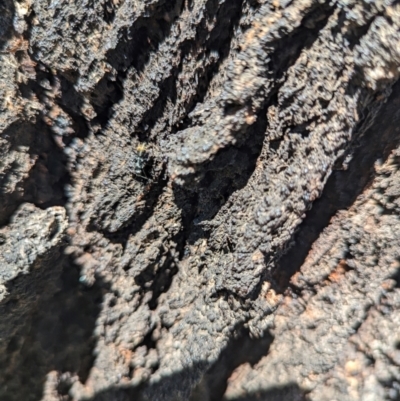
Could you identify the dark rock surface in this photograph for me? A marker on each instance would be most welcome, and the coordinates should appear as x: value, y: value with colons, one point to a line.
x: 199, y: 200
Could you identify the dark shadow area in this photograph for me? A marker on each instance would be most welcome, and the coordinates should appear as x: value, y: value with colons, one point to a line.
x: 161, y: 276
x: 47, y: 323
x: 227, y: 17
x: 61, y: 85
x: 133, y: 50
x: 214, y: 181
x: 109, y: 11
x: 290, y: 392
x: 213, y: 379
x: 44, y: 185
x: 218, y: 43
x: 161, y: 279
x: 152, y: 191
x: 344, y: 186
x: 355, y: 32
x: 71, y: 102
x: 228, y: 172
x: 281, y: 54
x: 239, y: 351
x: 209, y: 188
x: 68, y: 99
x: 7, y: 12
x: 145, y: 36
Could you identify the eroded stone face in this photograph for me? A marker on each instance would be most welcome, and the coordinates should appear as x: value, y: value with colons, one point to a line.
x: 31, y: 233
x: 346, y: 287
x: 250, y: 113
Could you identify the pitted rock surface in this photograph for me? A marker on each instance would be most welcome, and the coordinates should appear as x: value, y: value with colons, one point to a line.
x: 199, y: 200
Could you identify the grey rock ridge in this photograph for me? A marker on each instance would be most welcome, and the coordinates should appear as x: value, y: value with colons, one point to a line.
x: 199, y: 200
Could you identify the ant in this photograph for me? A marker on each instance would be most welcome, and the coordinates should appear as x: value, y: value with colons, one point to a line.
x: 141, y: 160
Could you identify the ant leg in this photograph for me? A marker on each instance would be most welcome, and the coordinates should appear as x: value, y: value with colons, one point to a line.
x: 144, y: 177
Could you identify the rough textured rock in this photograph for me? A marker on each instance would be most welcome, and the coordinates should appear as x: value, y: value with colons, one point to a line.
x: 199, y: 200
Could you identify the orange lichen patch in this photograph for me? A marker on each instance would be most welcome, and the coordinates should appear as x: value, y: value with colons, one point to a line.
x: 54, y: 112
x: 388, y: 285
x: 71, y: 231
x: 313, y: 376
x: 339, y: 272
x: 310, y: 313
x: 286, y: 305
x: 251, y: 34
x: 250, y: 118
x: 257, y: 256
x: 48, y: 121
x: 391, y: 11
x: 286, y: 301
x: 295, y: 280
x: 17, y: 44
x: 314, y: 185
x: 126, y: 354
x: 273, y: 298
x: 261, y: 28
x: 370, y: 225
x: 140, y: 197
x: 9, y: 102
